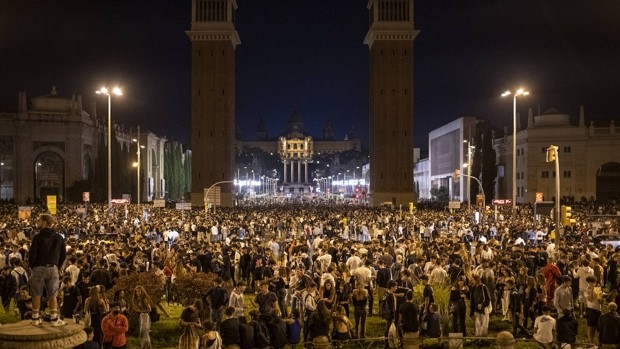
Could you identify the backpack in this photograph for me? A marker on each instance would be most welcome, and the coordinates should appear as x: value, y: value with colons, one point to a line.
x: 22, y: 279
x: 384, y: 308
x: 262, y: 338
x: 154, y: 315
x: 278, y: 333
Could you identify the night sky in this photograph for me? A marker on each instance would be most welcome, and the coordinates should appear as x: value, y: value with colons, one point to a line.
x: 309, y: 56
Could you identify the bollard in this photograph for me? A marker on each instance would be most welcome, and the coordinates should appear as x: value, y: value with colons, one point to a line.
x: 411, y: 340
x: 505, y: 340
x: 321, y: 342
x: 456, y: 340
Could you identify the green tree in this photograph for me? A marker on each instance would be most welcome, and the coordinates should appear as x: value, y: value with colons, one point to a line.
x: 440, y: 194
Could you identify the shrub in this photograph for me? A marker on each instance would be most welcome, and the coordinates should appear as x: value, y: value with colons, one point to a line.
x: 152, y: 283
x: 193, y: 286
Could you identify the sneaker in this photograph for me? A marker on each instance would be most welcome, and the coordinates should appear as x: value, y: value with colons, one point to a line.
x: 58, y: 322
x: 37, y: 322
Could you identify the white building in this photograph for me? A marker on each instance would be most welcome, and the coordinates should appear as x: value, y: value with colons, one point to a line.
x: 589, y: 159
x: 447, y: 153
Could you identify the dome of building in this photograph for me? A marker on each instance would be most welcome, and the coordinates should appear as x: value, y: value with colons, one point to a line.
x: 295, y: 123
x: 552, y: 118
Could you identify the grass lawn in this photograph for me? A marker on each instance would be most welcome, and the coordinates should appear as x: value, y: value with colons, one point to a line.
x: 166, y: 332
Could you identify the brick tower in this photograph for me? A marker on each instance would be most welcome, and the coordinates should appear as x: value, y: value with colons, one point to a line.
x: 390, y: 42
x: 213, y: 40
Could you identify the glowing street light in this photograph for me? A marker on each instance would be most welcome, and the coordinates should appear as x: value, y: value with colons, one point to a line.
x: 518, y: 92
x: 117, y: 92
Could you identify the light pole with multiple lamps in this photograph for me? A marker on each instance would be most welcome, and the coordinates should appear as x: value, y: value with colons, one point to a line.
x: 117, y: 92
x: 515, y: 94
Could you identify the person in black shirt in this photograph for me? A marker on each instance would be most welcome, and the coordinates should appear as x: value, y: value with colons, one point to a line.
x: 390, y: 300
x: 458, y: 307
x: 566, y: 328
x: 609, y: 326
x: 218, y: 299
x: 229, y: 328
x: 47, y: 253
x: 71, y: 298
x: 409, y: 316
x: 266, y: 300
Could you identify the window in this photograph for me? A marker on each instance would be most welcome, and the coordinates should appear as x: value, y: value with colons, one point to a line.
x: 544, y: 174
x: 567, y: 174
x: 567, y: 149
x: 553, y: 174
x: 544, y: 150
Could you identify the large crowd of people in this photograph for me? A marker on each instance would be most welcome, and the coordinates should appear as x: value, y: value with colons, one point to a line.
x: 297, y: 272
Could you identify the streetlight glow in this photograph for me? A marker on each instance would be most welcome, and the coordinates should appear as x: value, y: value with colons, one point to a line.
x: 104, y: 91
x: 519, y: 92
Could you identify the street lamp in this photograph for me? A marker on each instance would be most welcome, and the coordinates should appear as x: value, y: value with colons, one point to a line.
x: 519, y: 92
x: 104, y: 91
x: 1, y: 187
x: 470, y: 149
x: 137, y: 164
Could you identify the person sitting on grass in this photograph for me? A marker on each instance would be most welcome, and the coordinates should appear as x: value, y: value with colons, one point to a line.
x: 229, y: 328
x: 433, y: 323
x: 544, y: 328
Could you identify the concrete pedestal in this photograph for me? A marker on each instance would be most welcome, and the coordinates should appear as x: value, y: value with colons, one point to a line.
x: 23, y: 335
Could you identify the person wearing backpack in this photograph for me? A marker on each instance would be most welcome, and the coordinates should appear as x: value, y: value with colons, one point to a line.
x: 20, y: 275
x: 262, y: 338
x: 387, y: 307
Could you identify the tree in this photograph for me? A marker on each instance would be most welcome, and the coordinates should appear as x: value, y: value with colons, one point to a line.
x: 440, y: 194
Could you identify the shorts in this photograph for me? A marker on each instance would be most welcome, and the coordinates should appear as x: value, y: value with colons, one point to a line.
x: 44, y: 278
x: 592, y: 316
x: 581, y: 298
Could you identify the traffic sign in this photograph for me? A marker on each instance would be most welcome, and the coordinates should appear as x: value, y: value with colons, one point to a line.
x: 502, y: 202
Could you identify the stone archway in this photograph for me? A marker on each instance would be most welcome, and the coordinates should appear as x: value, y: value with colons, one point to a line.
x: 49, y: 175
x: 608, y: 181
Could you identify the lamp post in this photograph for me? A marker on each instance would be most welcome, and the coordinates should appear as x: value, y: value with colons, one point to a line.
x: 470, y: 149
x: 104, y: 91
x: 519, y: 92
x: 137, y: 165
x: 1, y: 179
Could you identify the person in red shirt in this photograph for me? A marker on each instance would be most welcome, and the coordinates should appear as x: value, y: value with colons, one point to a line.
x: 552, y: 273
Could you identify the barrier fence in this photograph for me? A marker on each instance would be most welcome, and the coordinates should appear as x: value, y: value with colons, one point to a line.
x: 503, y: 340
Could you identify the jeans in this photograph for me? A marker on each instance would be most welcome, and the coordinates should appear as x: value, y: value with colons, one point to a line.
x: 360, y: 314
x: 44, y: 277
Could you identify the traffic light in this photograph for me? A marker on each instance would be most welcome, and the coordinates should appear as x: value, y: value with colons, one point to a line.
x: 566, y: 214
x: 457, y: 174
x: 552, y: 153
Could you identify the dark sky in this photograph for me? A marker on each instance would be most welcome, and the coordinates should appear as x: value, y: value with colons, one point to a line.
x: 309, y: 55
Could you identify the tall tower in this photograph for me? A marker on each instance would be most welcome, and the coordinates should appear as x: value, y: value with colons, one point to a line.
x: 390, y: 42
x: 214, y: 39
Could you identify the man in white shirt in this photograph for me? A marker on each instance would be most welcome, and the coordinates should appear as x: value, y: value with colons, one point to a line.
x: 544, y: 328
x: 354, y: 261
x: 324, y: 260
x: 582, y: 274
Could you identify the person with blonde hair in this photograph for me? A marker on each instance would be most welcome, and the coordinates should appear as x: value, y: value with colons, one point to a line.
x: 95, y: 306
x: 142, y: 304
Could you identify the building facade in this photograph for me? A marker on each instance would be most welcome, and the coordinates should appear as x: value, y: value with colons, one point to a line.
x: 589, y: 158
x: 52, y: 142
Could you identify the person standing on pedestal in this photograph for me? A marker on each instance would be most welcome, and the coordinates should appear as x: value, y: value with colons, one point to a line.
x: 47, y: 253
